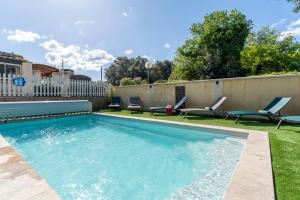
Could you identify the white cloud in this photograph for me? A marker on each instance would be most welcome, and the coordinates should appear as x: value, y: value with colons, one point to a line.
x: 45, y: 37
x: 147, y: 57
x: 74, y: 57
x: 125, y: 14
x: 150, y: 58
x: 294, y: 32
x: 21, y: 36
x: 292, y: 29
x: 294, y: 23
x: 84, y: 21
x: 128, y: 52
x: 167, y: 46
x: 282, y: 21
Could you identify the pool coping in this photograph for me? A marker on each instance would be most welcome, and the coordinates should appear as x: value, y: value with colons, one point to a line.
x: 17, y: 178
x: 252, y: 178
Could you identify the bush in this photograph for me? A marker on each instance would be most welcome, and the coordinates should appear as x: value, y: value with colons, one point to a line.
x: 281, y: 73
x: 128, y: 81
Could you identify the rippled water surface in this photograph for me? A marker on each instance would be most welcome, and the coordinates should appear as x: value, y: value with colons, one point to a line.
x: 98, y: 157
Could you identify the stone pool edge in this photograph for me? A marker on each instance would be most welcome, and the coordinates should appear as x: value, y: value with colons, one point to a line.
x: 253, y: 176
x: 17, y: 178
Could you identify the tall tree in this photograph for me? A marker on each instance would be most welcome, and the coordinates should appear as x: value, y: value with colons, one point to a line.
x: 161, y: 70
x: 118, y: 69
x: 126, y: 67
x: 214, y: 49
x: 297, y: 5
x: 132, y: 69
x: 268, y: 51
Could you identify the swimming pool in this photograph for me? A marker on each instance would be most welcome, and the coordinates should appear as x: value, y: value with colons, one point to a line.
x: 100, y: 157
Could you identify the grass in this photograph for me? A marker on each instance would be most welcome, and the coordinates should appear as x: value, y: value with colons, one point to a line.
x: 285, y: 147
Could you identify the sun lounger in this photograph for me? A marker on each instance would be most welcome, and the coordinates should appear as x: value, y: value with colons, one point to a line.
x: 134, y: 104
x: 271, y: 111
x: 288, y: 119
x: 115, y: 103
x: 213, y: 108
x: 176, y: 107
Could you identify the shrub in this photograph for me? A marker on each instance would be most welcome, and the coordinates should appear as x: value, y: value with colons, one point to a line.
x: 129, y: 81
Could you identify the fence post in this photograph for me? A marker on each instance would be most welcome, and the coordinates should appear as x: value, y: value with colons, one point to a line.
x: 4, y: 84
x: 29, y: 87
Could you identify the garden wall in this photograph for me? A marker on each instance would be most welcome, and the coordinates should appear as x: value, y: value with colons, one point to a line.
x: 249, y: 93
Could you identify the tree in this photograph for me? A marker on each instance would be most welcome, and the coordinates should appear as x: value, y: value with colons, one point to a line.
x: 126, y: 67
x: 214, y: 49
x: 134, y: 68
x: 267, y: 51
x: 297, y: 5
x: 186, y: 68
x: 161, y: 70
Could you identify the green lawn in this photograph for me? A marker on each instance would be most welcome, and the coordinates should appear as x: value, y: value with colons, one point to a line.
x: 285, y: 147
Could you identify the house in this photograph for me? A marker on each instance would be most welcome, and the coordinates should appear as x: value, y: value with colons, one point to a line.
x: 11, y: 63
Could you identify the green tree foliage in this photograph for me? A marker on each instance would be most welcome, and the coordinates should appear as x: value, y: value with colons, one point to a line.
x: 129, y: 81
x: 214, y: 49
x: 267, y: 51
x: 297, y: 5
x: 134, y: 69
x: 161, y: 70
x: 126, y: 67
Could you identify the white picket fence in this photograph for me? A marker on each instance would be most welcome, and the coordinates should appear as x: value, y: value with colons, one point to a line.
x: 52, y: 87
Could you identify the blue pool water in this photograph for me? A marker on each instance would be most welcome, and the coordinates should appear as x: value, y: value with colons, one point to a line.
x: 99, y: 157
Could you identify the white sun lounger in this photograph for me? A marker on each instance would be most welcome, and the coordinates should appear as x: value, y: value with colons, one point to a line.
x: 213, y: 108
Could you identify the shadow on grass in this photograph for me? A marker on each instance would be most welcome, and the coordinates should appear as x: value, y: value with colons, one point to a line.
x: 135, y: 113
x: 161, y: 115
x: 242, y: 121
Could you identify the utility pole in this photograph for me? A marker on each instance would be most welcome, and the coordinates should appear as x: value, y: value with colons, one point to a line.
x: 62, y: 64
x: 101, y: 73
x: 63, y: 78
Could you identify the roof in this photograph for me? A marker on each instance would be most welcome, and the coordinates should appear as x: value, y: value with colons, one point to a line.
x: 11, y: 58
x: 45, y: 70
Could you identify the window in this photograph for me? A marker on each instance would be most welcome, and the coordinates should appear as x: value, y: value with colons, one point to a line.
x: 2, y: 69
x: 12, y: 69
x: 9, y: 69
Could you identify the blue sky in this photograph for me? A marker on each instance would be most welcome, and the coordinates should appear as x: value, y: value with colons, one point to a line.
x: 90, y: 33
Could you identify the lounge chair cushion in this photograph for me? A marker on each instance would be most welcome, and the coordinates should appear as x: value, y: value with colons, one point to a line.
x: 157, y: 108
x: 114, y: 105
x: 264, y: 112
x: 180, y: 103
x: 241, y: 112
x: 291, y: 119
x: 134, y: 107
x: 195, y: 109
x: 277, y: 104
